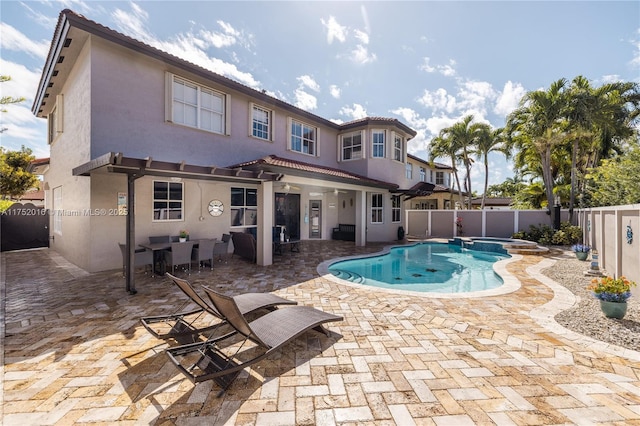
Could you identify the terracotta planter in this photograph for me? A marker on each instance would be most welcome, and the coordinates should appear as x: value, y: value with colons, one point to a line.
x: 613, y: 309
x: 582, y: 255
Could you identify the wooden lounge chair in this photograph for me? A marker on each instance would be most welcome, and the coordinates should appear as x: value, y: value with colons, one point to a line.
x: 269, y: 332
x: 180, y: 325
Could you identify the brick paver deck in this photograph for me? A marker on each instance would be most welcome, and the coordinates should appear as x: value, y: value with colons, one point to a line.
x: 75, y: 352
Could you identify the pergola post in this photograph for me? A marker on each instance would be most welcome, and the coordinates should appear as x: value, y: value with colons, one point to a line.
x: 130, y: 234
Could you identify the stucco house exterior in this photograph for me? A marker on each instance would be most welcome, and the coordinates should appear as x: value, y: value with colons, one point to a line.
x: 143, y: 143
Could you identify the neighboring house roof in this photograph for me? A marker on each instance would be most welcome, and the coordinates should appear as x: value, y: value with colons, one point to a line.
x: 432, y: 164
x: 420, y: 189
x: 492, y: 201
x: 34, y: 195
x: 38, y: 166
x: 62, y: 44
x: 275, y: 164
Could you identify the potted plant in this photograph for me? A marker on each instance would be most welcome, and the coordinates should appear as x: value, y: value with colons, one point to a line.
x: 581, y: 251
x: 184, y: 234
x: 612, y: 294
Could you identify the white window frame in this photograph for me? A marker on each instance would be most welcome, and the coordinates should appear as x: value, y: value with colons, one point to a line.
x: 377, y: 208
x: 408, y: 170
x: 165, y: 214
x: 308, y: 146
x: 259, y: 129
x: 398, y: 148
x: 217, y: 114
x: 55, y: 120
x: 396, y: 208
x: 377, y: 144
x: 57, y: 210
x: 245, y: 214
x: 352, y: 145
x: 423, y: 174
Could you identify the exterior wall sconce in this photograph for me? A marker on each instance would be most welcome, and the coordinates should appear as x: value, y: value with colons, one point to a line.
x: 629, y: 234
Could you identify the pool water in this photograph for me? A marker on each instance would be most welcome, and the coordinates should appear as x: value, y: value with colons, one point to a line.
x: 425, y: 267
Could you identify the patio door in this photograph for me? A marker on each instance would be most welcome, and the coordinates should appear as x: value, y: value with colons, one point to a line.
x: 287, y: 213
x: 315, y: 219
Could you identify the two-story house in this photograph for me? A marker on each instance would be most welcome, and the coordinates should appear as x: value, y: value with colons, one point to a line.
x: 144, y: 143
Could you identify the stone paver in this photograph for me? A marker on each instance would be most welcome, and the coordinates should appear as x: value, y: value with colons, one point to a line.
x: 74, y: 352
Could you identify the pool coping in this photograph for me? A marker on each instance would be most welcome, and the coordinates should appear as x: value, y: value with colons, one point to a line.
x: 510, y: 282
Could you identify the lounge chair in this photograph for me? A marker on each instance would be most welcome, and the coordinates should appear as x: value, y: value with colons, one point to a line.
x: 180, y: 326
x: 270, y: 332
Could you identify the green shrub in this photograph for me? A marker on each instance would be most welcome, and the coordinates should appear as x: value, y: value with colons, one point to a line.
x: 546, y: 235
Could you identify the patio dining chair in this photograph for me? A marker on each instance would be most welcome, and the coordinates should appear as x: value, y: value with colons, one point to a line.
x: 141, y: 257
x: 158, y: 239
x: 270, y: 332
x: 204, y: 252
x: 179, y: 254
x: 181, y: 326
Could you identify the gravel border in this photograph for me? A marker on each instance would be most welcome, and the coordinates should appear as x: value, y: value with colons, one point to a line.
x: 586, y: 317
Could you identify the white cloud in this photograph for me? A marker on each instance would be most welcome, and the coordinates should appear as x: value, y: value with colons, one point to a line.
x: 361, y: 55
x: 308, y: 82
x: 334, y: 30
x: 188, y: 46
x: 447, y: 70
x: 354, y: 112
x: 635, y: 62
x: 335, y: 91
x: 12, y: 39
x: 361, y: 36
x: 304, y: 100
x: 509, y: 98
x: 438, y: 100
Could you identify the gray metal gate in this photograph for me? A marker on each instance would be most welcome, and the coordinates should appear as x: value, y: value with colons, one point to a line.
x: 24, y: 226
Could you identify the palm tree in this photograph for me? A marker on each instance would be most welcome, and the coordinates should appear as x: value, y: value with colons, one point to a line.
x: 487, y: 140
x: 460, y: 138
x: 598, y: 120
x: 441, y: 147
x: 535, y: 124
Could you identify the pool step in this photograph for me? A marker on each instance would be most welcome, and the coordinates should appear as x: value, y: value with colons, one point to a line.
x: 526, y: 249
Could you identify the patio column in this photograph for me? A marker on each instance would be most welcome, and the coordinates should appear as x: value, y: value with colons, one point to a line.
x: 361, y: 218
x: 130, y: 233
x: 264, y: 254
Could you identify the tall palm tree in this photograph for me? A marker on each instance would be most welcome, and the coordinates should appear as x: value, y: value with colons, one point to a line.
x: 460, y: 137
x: 487, y: 140
x: 536, y: 124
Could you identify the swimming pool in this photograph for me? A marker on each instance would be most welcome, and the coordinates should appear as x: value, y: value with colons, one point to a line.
x: 424, y: 267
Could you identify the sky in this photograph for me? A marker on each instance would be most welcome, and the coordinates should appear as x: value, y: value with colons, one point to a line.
x: 426, y: 63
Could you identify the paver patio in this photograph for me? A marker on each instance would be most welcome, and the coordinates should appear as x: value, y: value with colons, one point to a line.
x: 75, y: 352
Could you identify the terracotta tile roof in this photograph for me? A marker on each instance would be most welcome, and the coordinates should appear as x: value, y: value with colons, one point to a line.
x: 429, y: 163
x: 274, y: 163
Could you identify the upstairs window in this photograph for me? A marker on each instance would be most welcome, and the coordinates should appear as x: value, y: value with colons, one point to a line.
x: 439, y: 178
x: 55, y: 119
x: 352, y: 146
x: 377, y: 209
x: 303, y: 138
x: 423, y: 174
x: 377, y: 148
x: 197, y: 106
x: 261, y: 123
x: 397, y: 148
x: 168, y: 201
x: 408, y: 170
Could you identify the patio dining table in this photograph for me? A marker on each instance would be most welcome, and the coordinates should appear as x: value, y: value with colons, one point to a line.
x: 157, y: 249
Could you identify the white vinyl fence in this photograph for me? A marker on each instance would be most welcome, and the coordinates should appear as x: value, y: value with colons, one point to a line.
x: 615, y: 233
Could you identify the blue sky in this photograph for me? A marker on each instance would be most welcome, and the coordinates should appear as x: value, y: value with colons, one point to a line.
x: 426, y: 63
